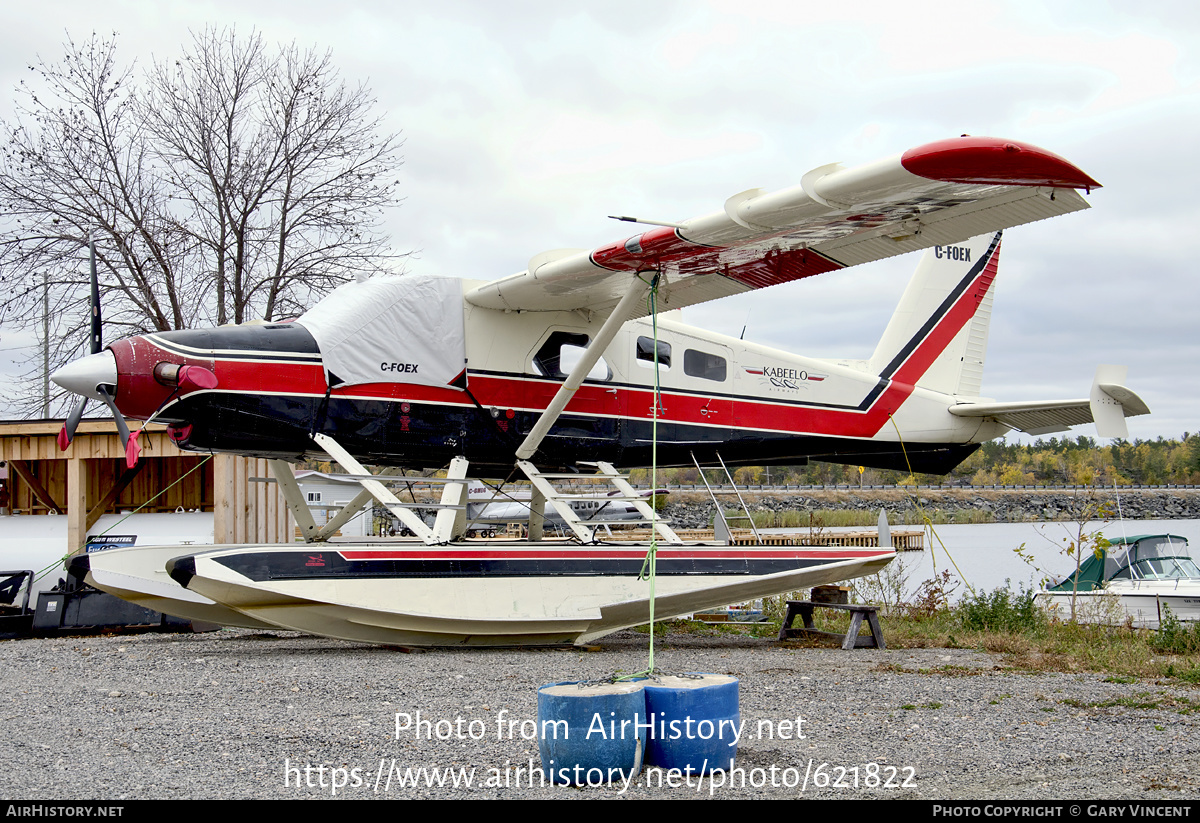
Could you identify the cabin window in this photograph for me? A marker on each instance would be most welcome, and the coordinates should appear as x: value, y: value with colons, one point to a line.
x: 703, y: 364
x: 646, y: 349
x: 561, y: 352
x: 314, y: 497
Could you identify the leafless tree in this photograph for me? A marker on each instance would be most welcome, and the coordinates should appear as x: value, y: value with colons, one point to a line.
x: 232, y: 183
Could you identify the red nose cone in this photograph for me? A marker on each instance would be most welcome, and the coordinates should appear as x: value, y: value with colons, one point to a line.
x: 991, y: 160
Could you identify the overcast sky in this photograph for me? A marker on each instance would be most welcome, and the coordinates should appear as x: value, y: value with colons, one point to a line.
x: 525, y: 124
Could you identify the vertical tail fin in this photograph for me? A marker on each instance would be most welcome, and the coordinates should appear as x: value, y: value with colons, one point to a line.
x: 944, y: 315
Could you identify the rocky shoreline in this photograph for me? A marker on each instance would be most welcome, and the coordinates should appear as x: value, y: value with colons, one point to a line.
x: 688, y: 509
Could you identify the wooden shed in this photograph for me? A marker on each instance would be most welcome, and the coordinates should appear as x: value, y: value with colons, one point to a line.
x: 91, y: 478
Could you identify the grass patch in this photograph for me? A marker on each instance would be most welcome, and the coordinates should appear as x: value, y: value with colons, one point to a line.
x: 1009, y: 623
x: 944, y: 671
x: 1145, y: 701
x: 910, y: 707
x: 818, y: 519
x: 1003, y: 622
x: 1120, y: 652
x: 1174, y: 637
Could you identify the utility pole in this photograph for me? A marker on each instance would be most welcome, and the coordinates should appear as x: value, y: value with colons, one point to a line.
x: 45, y: 345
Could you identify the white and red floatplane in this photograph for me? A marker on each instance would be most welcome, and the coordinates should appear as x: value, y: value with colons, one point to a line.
x: 557, y: 366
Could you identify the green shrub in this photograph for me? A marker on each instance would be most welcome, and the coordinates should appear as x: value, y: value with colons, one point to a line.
x: 1173, y: 637
x: 1001, y: 610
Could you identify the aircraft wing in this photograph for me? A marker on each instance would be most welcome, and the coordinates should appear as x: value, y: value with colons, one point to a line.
x: 1108, y: 407
x: 935, y: 195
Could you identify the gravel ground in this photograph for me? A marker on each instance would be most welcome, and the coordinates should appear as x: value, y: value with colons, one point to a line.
x: 241, y: 714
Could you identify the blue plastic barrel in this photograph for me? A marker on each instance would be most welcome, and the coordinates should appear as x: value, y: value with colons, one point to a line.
x: 695, y: 722
x: 592, y: 734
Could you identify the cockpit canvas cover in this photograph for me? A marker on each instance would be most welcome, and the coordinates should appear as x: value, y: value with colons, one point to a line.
x: 396, y: 329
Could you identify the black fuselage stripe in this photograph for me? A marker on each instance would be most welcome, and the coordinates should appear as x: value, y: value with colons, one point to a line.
x: 234, y: 354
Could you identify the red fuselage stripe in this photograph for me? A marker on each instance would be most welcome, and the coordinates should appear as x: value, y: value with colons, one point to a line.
x: 249, y: 376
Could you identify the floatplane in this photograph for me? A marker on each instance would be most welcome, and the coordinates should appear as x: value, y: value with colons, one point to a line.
x: 581, y: 364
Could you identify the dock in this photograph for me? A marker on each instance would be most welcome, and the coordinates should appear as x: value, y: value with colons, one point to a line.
x: 904, y: 540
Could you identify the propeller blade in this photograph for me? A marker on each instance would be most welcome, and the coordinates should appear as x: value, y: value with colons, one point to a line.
x: 133, y: 449
x: 97, y: 342
x: 67, y: 433
x: 122, y: 428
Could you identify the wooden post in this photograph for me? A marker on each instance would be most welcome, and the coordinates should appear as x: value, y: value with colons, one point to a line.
x: 76, y: 504
x: 224, y: 512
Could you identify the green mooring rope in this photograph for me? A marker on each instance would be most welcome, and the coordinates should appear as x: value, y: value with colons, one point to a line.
x: 926, y: 520
x: 649, y: 564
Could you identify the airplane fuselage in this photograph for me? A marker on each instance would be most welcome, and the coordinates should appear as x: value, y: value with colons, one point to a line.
x: 753, y: 404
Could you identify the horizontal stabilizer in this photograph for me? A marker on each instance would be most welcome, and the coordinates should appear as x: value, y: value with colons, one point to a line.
x: 1108, y: 406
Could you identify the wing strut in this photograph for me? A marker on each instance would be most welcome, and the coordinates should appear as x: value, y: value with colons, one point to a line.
x: 543, y: 491
x: 562, y: 502
x: 637, y: 288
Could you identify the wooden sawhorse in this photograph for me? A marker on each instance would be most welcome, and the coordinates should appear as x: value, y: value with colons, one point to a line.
x: 850, y: 640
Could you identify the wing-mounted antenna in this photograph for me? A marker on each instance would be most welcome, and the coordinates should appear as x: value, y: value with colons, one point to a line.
x: 644, y: 222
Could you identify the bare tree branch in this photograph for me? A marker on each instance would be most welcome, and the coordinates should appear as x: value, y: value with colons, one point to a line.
x: 232, y: 183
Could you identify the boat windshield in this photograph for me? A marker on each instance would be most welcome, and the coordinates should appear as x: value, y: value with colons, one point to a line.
x: 1165, y: 568
x: 1156, y: 558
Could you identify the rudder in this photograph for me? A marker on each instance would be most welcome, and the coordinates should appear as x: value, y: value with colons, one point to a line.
x: 948, y: 281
